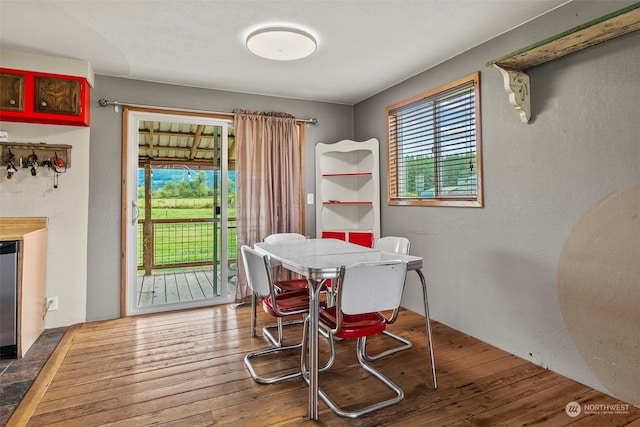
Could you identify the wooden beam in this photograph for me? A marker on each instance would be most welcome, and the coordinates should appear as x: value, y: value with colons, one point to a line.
x: 173, y: 161
x: 147, y: 228
x: 181, y: 134
x: 185, y: 149
x: 196, y: 141
x: 150, y: 151
x: 174, y: 133
x: 231, y: 148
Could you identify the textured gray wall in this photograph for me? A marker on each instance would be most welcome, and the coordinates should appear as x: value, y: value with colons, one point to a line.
x: 335, y: 122
x: 492, y: 272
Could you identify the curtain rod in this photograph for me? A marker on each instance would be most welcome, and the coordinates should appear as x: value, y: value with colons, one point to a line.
x: 104, y: 102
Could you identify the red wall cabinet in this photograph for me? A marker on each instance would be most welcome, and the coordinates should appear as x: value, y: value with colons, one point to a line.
x: 33, y: 97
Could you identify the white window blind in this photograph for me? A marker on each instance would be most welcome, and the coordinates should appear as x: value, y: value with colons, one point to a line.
x: 434, y: 147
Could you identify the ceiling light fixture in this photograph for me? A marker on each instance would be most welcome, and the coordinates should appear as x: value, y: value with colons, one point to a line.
x: 281, y: 43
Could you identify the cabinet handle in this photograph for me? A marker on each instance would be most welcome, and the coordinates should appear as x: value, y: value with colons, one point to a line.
x: 43, y: 103
x: 12, y: 101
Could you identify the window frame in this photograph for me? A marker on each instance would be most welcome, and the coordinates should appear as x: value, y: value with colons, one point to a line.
x: 392, y: 147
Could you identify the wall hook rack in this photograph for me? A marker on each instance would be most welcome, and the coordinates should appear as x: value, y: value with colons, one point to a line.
x: 34, y: 154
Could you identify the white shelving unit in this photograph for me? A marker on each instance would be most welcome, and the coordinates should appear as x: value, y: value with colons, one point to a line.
x: 348, y: 191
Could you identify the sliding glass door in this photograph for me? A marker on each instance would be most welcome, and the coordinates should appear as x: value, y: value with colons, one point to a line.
x: 179, y: 211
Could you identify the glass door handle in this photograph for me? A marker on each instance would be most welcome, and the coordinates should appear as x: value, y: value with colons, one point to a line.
x: 136, y: 211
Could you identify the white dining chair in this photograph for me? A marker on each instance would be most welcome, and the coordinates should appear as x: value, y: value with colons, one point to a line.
x: 364, y: 291
x: 276, y: 304
x: 294, y: 284
x: 287, y: 284
x: 283, y: 237
x: 398, y: 245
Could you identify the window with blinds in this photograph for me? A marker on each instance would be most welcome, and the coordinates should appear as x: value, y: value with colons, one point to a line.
x: 435, y: 148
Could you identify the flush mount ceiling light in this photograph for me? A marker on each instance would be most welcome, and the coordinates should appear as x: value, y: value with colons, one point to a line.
x: 281, y: 43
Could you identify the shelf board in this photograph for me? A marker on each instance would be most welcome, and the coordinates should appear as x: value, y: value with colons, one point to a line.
x: 42, y: 150
x: 593, y: 32
x: 347, y: 203
x: 513, y: 66
x: 347, y: 174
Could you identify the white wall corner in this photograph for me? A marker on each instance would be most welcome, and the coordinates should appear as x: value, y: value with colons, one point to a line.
x: 47, y: 64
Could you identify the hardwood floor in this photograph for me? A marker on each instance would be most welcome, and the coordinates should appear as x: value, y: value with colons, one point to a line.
x: 185, y: 369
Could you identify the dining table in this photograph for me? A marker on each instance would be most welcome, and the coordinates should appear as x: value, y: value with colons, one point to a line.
x: 320, y: 260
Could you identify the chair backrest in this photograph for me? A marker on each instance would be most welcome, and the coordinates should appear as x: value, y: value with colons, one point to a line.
x: 398, y: 245
x: 283, y: 237
x: 258, y: 271
x: 280, y: 237
x: 371, y: 286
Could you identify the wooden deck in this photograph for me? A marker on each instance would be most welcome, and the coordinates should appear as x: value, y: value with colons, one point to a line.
x: 179, y: 286
x: 185, y: 368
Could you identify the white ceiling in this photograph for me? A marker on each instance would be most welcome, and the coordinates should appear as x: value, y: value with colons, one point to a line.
x: 364, y: 46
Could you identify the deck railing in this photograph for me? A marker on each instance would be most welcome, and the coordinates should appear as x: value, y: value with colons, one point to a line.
x: 180, y: 243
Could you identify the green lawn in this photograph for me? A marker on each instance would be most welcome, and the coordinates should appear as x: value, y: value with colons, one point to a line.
x: 181, y: 208
x: 185, y: 242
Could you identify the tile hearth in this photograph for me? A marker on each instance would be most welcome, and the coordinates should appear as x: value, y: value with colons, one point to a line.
x: 17, y: 375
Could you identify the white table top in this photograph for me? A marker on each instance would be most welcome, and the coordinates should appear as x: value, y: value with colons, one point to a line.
x: 320, y: 259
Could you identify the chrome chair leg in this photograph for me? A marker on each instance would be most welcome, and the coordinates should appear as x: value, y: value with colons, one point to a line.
x: 303, y: 353
x: 277, y: 342
x: 361, y: 343
x: 406, y: 344
x: 270, y: 380
x: 253, y: 313
x: 399, y: 394
x: 266, y: 330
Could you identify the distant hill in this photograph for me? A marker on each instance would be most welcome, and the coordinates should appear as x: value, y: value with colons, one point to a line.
x: 160, y: 177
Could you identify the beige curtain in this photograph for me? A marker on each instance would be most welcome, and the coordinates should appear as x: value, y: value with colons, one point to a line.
x: 268, y: 180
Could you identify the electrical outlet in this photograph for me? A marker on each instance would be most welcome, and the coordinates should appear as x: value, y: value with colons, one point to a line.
x: 52, y: 303
x: 309, y: 198
x: 4, y: 135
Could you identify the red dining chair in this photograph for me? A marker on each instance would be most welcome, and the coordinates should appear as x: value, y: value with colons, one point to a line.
x: 289, y: 284
x: 398, y: 245
x: 364, y: 290
x: 276, y: 304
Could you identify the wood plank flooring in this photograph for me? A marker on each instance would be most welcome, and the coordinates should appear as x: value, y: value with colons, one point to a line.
x: 179, y: 286
x: 185, y: 369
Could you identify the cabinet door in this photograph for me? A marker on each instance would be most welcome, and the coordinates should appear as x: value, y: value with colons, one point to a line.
x: 33, y: 285
x: 12, y: 92
x: 340, y: 235
x: 361, y: 238
x: 57, y: 96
